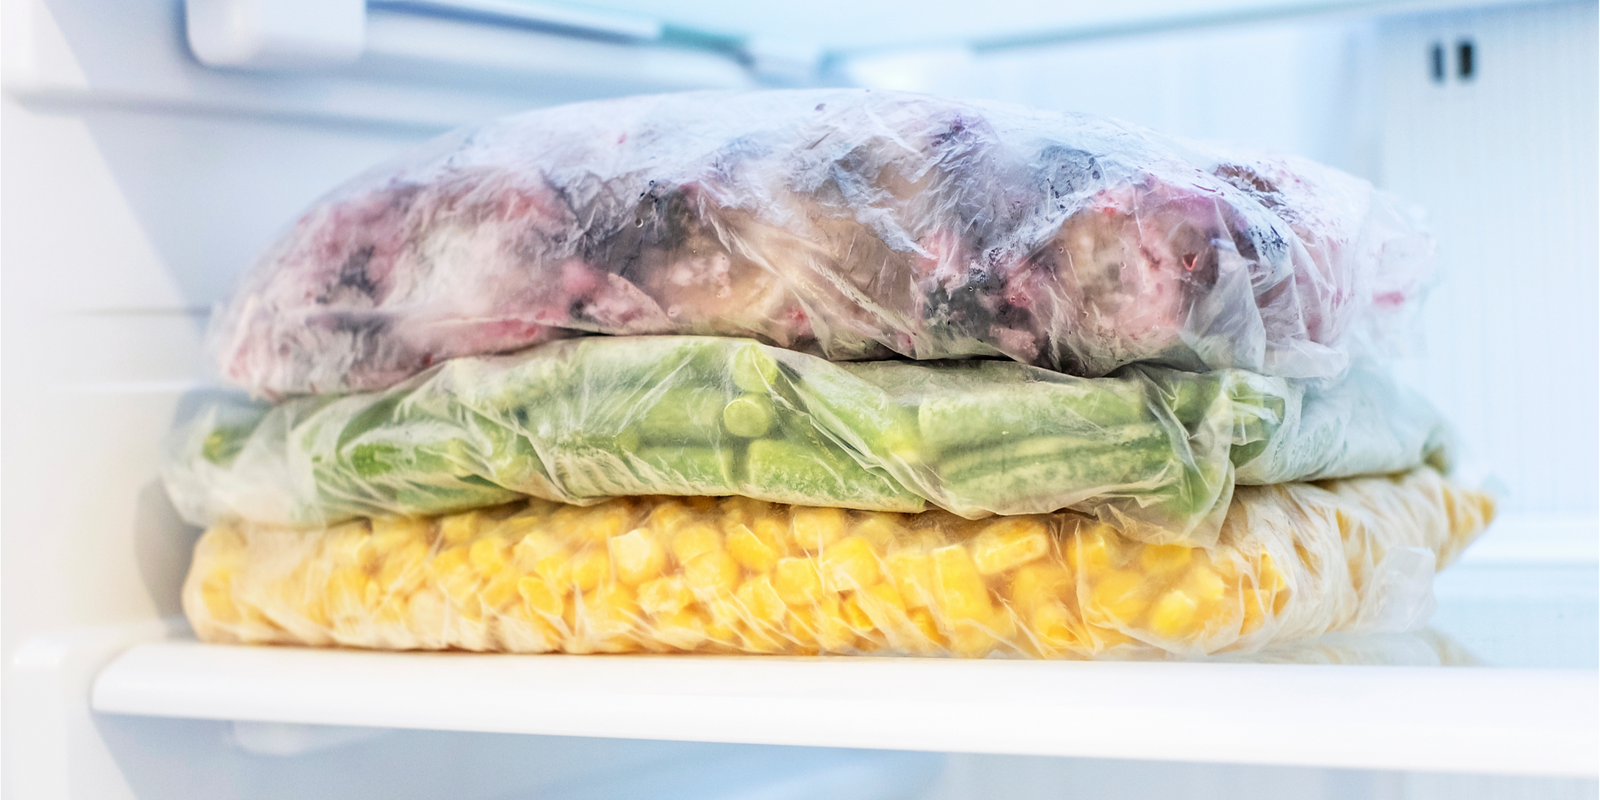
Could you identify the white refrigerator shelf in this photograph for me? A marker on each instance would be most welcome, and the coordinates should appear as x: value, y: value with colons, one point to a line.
x: 1450, y: 719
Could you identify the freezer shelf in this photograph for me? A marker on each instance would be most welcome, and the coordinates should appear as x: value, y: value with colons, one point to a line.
x: 1470, y: 719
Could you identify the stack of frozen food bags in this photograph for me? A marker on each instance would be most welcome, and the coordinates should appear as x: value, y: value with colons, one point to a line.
x: 823, y: 372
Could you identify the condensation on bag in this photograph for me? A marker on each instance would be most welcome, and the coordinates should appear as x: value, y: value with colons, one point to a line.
x: 1153, y: 452
x: 847, y: 223
x: 735, y: 575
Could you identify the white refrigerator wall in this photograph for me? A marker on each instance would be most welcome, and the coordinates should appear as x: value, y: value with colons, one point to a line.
x: 139, y: 183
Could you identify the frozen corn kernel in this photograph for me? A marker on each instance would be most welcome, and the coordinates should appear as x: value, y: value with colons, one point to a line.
x: 488, y: 556
x: 1164, y: 558
x: 637, y: 556
x: 1174, y: 614
x: 850, y: 564
x: 797, y: 581
x: 606, y: 521
x: 1037, y: 585
x: 682, y: 629
x: 667, y: 595
x: 960, y: 592
x: 712, y: 575
x: 459, y: 529
x: 540, y: 598
x: 1009, y: 543
x: 590, y: 568
x: 882, y: 531
x: 812, y: 529
x: 1119, y: 595
x: 1093, y: 549
x: 695, y: 540
x: 912, y: 572
x: 750, y: 551
x: 760, y: 601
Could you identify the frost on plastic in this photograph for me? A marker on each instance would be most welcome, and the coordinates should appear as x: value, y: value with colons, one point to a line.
x: 851, y: 224
x: 1151, y: 451
x: 735, y: 575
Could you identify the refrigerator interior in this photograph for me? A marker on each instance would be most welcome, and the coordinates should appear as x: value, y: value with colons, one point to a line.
x: 141, y: 181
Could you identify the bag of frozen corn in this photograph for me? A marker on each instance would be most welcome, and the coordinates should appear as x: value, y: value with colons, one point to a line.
x: 1153, y: 452
x: 735, y: 575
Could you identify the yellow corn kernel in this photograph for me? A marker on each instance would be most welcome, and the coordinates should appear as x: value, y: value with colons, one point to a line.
x: 1174, y: 614
x: 1119, y: 596
x: 723, y: 618
x: 1038, y: 585
x: 349, y: 545
x: 912, y: 572
x: 1268, y: 578
x: 822, y: 625
x: 797, y: 581
x: 751, y: 553
x: 498, y: 591
x: 459, y: 529
x: 1055, y: 628
x: 969, y: 639
x: 773, y: 531
x: 695, y: 540
x: 608, y: 617
x: 604, y: 521
x: 882, y: 598
x: 760, y: 601
x: 670, y: 516
x: 761, y: 639
x: 926, y: 625
x: 453, y: 567
x: 812, y: 528
x: 216, y: 591
x: 959, y: 591
x: 425, y: 616
x: 1093, y: 549
x: 521, y: 524
x: 540, y: 598
x: 637, y: 557
x: 682, y: 629
x: 391, y: 533
x: 488, y: 556
x: 666, y: 595
x: 1256, y: 605
x: 349, y: 591
x: 556, y: 570
x: 1165, y: 558
x: 1205, y: 585
x: 590, y: 568
x: 712, y: 573
x: 1102, y: 638
x: 857, y: 617
x: 850, y: 564
x: 532, y: 548
x: 1009, y: 543
x: 401, y: 570
x: 881, y: 529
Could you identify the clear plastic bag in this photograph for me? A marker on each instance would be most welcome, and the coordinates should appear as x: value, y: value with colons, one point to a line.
x: 851, y: 224
x: 1151, y: 451
x: 1294, y: 561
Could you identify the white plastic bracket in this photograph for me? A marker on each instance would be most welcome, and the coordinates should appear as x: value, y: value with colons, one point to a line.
x: 276, y: 34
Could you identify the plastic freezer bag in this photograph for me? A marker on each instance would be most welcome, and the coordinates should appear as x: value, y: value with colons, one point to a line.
x: 735, y: 575
x: 1151, y: 451
x: 847, y: 223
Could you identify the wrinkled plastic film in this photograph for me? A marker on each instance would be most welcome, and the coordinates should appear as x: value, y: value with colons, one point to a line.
x: 1151, y: 451
x: 850, y: 224
x: 735, y: 575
